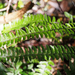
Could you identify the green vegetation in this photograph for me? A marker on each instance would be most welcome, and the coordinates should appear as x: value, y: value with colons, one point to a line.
x: 22, y: 62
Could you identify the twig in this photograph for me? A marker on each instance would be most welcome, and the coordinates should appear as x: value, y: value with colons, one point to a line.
x: 60, y: 7
x: 3, y: 9
x: 8, y: 6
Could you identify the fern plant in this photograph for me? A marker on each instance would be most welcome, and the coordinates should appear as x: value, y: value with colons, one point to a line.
x: 71, y: 70
x: 34, y: 25
x: 68, y: 70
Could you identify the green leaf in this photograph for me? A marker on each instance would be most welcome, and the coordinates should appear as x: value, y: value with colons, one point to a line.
x: 49, y: 67
x: 59, y: 0
x: 54, y: 19
x: 69, y: 16
x: 2, y: 67
x: 18, y: 71
x: 58, y: 72
x: 51, y: 63
x: 30, y: 66
x: 20, y: 4
x: 18, y: 64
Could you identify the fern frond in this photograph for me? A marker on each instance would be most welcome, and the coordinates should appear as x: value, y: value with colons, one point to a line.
x: 40, y: 53
x: 44, y: 68
x: 48, y: 30
x: 38, y: 25
x: 33, y: 19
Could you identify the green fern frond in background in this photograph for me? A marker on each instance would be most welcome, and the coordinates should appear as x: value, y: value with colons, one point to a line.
x: 70, y: 70
x: 39, y: 53
x: 44, y: 68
